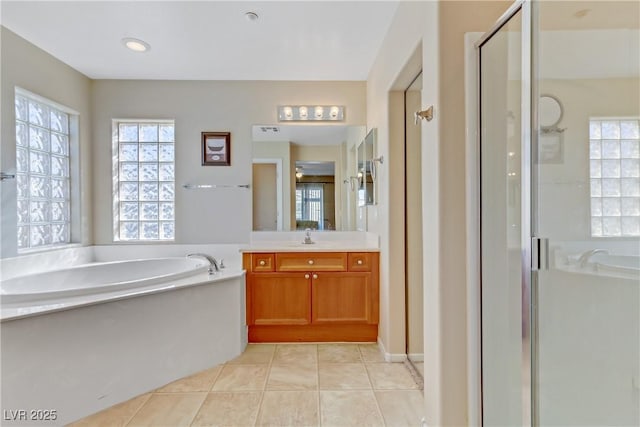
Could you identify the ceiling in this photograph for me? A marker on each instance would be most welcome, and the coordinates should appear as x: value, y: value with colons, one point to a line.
x: 207, y: 40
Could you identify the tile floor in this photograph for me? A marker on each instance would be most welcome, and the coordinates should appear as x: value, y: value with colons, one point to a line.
x: 281, y: 385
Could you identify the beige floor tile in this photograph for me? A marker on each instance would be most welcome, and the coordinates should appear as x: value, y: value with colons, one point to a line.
x: 338, y: 353
x: 401, y: 407
x: 168, y: 409
x: 202, y: 381
x: 349, y: 408
x: 419, y: 367
x: 293, y: 377
x: 241, y: 378
x: 390, y: 376
x: 343, y: 376
x: 296, y: 353
x: 371, y: 353
x: 116, y: 416
x: 289, y: 408
x: 255, y: 354
x: 223, y: 408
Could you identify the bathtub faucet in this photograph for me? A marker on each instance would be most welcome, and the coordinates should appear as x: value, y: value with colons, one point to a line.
x: 585, y: 257
x: 213, y: 264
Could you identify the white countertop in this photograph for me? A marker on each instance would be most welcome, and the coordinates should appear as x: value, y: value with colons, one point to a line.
x: 295, y: 246
x: 292, y: 241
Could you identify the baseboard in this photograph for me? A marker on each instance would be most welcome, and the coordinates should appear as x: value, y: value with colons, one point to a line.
x: 416, y: 357
x: 391, y: 357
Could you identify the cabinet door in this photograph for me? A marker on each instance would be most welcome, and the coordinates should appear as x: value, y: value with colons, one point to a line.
x: 280, y: 299
x: 342, y: 298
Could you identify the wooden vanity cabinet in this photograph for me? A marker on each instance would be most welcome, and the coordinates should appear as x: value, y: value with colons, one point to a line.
x: 312, y: 296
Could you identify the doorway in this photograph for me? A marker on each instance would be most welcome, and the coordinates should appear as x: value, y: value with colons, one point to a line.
x: 413, y: 226
x: 267, y: 194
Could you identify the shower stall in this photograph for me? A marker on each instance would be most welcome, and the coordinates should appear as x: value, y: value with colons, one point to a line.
x: 559, y: 193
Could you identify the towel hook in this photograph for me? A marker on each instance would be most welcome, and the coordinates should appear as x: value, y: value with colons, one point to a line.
x: 424, y: 114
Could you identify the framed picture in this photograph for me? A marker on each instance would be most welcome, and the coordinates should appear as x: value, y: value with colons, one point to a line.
x: 216, y: 148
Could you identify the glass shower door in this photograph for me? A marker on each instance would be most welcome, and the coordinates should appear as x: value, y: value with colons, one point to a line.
x: 504, y: 370
x: 586, y: 203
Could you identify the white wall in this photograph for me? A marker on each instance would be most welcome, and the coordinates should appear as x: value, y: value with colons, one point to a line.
x: 565, y: 210
x: 204, y: 216
x: 28, y: 67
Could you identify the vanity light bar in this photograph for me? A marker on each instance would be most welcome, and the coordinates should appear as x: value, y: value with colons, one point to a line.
x: 288, y: 113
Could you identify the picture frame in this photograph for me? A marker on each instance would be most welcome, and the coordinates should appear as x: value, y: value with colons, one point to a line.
x: 216, y: 148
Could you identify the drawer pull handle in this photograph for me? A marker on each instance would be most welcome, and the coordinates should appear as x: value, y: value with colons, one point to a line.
x: 359, y: 262
x: 262, y: 262
x: 306, y: 276
x: 310, y: 262
x: 315, y: 276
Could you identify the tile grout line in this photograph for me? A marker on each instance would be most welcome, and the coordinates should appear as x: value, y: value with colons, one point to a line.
x: 373, y: 391
x: 264, y: 387
x: 318, y: 386
x: 208, y: 392
x: 137, y: 410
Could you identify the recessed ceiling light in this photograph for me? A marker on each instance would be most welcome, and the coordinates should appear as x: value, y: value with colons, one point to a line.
x: 136, y: 45
x: 251, y: 16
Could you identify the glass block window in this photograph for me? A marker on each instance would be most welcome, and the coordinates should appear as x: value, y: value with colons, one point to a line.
x: 614, y: 153
x: 42, y: 173
x: 144, y: 180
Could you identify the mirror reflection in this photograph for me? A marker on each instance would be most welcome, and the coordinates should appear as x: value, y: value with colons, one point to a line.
x: 305, y: 176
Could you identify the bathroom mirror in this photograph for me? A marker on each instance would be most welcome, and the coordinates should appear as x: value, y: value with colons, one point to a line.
x: 550, y: 111
x: 305, y: 176
x: 366, y: 170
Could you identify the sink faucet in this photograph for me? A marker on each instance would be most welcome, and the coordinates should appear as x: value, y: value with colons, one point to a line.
x: 585, y: 257
x: 213, y: 264
x: 307, y: 237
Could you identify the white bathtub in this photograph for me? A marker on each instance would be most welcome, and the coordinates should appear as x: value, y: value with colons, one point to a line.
x: 617, y: 263
x: 86, y: 337
x: 98, y: 277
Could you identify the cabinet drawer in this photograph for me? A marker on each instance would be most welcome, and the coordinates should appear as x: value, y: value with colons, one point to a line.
x: 262, y: 262
x: 311, y: 261
x: 360, y: 261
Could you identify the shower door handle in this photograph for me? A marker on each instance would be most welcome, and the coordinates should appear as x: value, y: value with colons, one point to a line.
x: 539, y: 253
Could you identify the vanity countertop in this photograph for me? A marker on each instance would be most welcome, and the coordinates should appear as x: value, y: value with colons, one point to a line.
x: 333, y: 241
x: 298, y: 246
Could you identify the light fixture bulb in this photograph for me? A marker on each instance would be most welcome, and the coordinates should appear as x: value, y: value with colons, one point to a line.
x: 136, y: 45
x: 333, y: 112
x: 319, y: 111
x: 303, y: 113
x: 288, y: 112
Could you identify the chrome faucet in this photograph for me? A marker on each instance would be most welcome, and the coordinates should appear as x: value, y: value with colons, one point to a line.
x: 585, y: 257
x: 213, y: 264
x: 307, y: 237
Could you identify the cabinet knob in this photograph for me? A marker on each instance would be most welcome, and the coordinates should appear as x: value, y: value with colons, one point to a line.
x: 306, y: 276
x: 310, y: 262
x: 262, y: 262
x: 315, y: 276
x: 359, y: 262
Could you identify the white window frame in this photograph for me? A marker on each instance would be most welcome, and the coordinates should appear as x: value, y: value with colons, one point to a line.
x: 71, y: 199
x: 118, y: 199
x: 614, y: 186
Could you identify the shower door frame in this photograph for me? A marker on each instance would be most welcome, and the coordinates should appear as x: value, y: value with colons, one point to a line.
x: 528, y: 148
